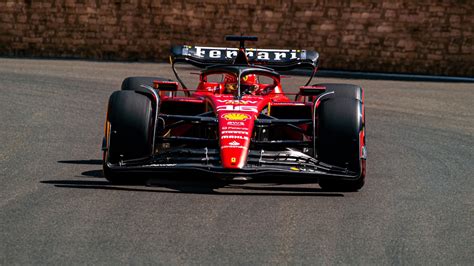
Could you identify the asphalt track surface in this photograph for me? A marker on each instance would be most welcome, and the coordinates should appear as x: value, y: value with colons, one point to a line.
x: 55, y: 207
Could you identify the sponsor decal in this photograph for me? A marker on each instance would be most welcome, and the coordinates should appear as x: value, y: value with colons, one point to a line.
x: 302, y: 169
x: 234, y: 123
x: 288, y: 104
x: 236, y: 102
x: 242, y: 108
x: 209, y: 88
x: 236, y: 116
x: 252, y: 53
x: 234, y: 143
x: 235, y: 137
x: 233, y: 132
x: 364, y: 153
x: 163, y: 165
x: 234, y: 147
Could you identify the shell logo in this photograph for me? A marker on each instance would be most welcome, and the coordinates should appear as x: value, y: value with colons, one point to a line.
x: 236, y: 116
x: 236, y: 102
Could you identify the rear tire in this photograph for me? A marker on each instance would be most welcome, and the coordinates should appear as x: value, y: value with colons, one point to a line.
x: 129, y: 131
x: 340, y: 129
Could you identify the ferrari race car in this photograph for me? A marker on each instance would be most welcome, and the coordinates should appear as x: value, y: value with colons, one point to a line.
x: 238, y: 124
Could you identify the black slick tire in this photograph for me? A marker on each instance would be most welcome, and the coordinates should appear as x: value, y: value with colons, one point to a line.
x: 340, y: 123
x: 128, y: 130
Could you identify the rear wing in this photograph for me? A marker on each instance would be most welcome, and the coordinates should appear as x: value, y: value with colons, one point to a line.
x: 277, y: 59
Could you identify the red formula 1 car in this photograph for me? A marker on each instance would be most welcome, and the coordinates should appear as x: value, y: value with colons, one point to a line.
x: 238, y: 124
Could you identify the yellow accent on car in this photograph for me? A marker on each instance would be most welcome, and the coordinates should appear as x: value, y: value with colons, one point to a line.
x: 236, y: 116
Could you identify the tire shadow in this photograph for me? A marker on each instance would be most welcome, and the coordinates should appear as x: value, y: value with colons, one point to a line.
x: 90, y: 161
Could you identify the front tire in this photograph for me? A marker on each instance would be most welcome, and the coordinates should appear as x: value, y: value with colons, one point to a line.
x: 341, y: 135
x: 128, y: 130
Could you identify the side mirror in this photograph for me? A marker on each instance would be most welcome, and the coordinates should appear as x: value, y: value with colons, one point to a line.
x: 309, y: 93
x: 311, y: 90
x: 165, y: 85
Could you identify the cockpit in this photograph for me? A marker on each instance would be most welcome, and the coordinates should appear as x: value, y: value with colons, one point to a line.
x: 237, y: 80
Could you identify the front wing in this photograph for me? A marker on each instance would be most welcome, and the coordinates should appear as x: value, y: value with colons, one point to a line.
x: 261, y: 164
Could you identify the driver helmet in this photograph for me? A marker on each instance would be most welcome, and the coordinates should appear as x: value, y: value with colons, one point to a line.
x: 249, y: 79
x: 249, y: 83
x: 230, y: 82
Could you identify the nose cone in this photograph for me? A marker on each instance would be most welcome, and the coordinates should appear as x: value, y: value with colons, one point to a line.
x: 236, y: 122
x: 235, y: 129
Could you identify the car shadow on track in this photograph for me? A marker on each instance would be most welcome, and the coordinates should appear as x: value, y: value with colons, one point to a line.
x: 205, y: 186
x: 90, y: 161
x: 193, y: 187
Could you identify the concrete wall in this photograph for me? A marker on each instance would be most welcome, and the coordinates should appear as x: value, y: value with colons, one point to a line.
x: 405, y: 36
